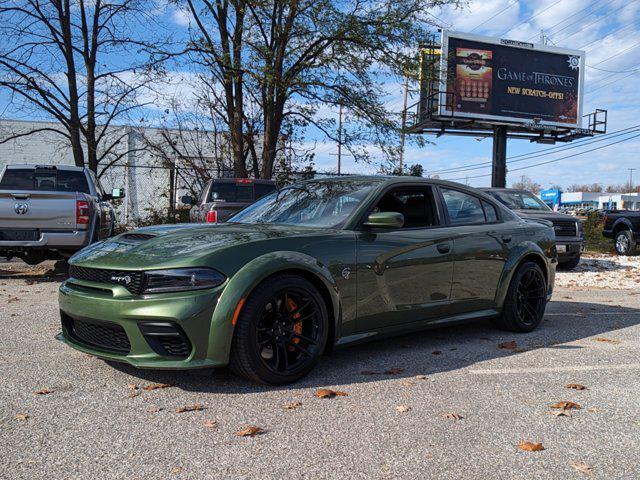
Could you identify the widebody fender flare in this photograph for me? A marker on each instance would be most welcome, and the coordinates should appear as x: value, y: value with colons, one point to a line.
x: 241, y: 285
x: 518, y: 253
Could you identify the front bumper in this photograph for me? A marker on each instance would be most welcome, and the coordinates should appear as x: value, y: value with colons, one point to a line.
x: 572, y: 249
x: 147, y: 322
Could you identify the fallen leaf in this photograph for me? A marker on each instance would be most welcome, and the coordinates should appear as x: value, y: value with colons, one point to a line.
x: 13, y: 299
x: 190, y: 408
x: 607, y: 340
x: 22, y: 416
x: 530, y: 446
x: 421, y: 377
x: 561, y: 413
x: 44, y: 391
x: 436, y: 352
x: 452, y: 416
x: 328, y: 393
x: 403, y: 408
x: 250, y: 431
x: 132, y: 386
x: 211, y: 424
x: 581, y: 467
x: 512, y: 345
x: 134, y: 393
x: 369, y: 372
x: 564, y: 405
x: 176, y: 470
x: 293, y: 406
x: 155, y: 386
x: 575, y: 386
x: 394, y: 371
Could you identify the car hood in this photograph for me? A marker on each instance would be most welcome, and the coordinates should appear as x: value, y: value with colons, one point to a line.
x: 166, y: 246
x: 542, y: 215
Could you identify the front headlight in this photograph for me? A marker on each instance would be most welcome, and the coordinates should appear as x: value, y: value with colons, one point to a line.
x: 181, y: 279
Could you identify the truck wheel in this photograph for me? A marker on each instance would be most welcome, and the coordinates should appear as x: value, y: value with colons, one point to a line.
x: 33, y: 258
x: 624, y: 243
x: 570, y: 265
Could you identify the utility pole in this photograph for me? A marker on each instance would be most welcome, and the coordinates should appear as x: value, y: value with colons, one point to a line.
x: 499, y: 164
x: 404, y: 120
x: 543, y: 37
x: 631, y: 179
x: 339, y: 138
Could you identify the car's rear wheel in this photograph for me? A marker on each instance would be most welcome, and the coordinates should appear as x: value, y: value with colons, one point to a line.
x: 624, y: 243
x: 526, y: 300
x: 281, y: 331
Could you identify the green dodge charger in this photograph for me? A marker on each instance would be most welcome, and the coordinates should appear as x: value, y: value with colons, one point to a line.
x: 316, y: 265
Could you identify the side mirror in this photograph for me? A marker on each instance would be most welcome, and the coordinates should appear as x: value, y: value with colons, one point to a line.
x: 117, y: 193
x: 385, y: 220
x: 187, y: 200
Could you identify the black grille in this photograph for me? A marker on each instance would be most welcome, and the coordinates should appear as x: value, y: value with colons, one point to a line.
x: 137, y: 236
x: 166, y: 338
x: 565, y: 228
x: 175, y: 346
x: 132, y: 281
x: 105, y: 336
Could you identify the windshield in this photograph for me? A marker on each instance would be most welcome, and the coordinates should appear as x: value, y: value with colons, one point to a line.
x: 325, y: 204
x: 520, y: 200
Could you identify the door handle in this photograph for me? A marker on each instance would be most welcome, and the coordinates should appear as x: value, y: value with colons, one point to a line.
x: 506, y: 238
x: 443, y: 247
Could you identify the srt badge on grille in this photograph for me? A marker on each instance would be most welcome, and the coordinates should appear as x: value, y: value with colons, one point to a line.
x: 122, y: 280
x: 21, y: 208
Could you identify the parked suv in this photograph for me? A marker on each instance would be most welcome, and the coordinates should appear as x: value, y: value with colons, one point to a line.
x: 569, y: 232
x: 222, y: 197
x: 50, y: 212
x: 624, y: 228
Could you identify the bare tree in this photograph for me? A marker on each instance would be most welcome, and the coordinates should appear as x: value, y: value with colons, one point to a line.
x: 82, y: 63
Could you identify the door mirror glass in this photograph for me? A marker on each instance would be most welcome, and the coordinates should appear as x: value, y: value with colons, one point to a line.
x: 187, y: 200
x: 117, y: 193
x: 385, y: 220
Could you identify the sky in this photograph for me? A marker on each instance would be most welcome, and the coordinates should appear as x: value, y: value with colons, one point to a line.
x: 607, y: 30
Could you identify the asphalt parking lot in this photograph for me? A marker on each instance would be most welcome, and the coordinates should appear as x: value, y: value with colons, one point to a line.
x: 465, y: 402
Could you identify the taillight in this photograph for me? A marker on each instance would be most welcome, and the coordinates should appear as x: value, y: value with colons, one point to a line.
x: 212, y: 217
x: 82, y: 212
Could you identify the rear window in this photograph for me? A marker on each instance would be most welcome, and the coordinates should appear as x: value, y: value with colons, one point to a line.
x: 50, y: 180
x: 239, y: 192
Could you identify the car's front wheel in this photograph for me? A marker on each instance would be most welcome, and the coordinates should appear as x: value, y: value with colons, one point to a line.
x: 569, y: 264
x: 624, y: 243
x: 526, y: 300
x: 281, y: 331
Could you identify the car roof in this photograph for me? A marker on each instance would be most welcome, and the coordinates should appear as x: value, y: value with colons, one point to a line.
x: 234, y: 180
x: 56, y: 167
x: 388, y: 179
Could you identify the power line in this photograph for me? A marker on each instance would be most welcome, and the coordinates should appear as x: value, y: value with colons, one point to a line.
x: 540, y: 153
x: 617, y: 54
x: 593, y: 22
x: 606, y: 36
x: 530, y: 18
x: 570, y: 17
x: 554, y: 160
x: 614, y: 81
x: 513, y: 2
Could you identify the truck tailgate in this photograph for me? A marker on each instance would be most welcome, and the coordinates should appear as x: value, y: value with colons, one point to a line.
x: 31, y: 210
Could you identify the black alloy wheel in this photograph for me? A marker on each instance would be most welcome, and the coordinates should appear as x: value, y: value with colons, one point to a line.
x: 281, y: 331
x: 526, y: 300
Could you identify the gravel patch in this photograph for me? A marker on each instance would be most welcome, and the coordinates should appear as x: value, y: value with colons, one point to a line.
x: 603, y: 271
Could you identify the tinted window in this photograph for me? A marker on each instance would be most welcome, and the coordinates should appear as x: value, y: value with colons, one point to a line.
x: 44, y: 180
x: 244, y: 193
x: 463, y: 208
x: 519, y: 200
x: 263, y: 189
x: 490, y: 212
x: 414, y: 203
x: 223, y: 191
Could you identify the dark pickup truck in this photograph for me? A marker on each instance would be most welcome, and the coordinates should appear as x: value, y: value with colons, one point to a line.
x: 570, y: 238
x: 624, y: 228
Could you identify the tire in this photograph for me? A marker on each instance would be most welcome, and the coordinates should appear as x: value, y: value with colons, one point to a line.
x: 516, y: 317
x: 624, y: 243
x: 273, y: 331
x: 570, y: 265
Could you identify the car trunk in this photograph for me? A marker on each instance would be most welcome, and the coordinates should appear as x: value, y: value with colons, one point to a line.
x: 37, y: 210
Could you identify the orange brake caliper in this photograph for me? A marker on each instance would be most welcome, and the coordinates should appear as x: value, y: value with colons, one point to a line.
x: 297, y: 326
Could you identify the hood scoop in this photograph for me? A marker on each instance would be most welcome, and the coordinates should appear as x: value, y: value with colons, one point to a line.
x: 137, y: 237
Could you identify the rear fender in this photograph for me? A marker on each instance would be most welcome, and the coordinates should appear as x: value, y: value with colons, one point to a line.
x: 247, y: 278
x: 518, y: 253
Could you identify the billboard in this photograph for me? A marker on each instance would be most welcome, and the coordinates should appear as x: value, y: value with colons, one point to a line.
x: 502, y: 80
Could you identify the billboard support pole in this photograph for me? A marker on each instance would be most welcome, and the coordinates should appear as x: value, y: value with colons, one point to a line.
x: 499, y: 164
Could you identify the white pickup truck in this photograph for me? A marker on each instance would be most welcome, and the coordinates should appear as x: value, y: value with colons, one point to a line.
x: 50, y: 212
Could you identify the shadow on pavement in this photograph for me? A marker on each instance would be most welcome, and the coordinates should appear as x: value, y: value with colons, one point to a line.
x: 422, y: 353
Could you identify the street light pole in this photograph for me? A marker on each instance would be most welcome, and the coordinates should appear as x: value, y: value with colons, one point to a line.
x: 631, y: 179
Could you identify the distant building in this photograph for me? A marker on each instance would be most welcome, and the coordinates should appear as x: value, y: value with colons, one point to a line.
x: 150, y: 186
x: 590, y: 200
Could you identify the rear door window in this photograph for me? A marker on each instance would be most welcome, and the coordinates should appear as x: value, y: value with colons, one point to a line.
x: 45, y: 179
x: 464, y: 209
